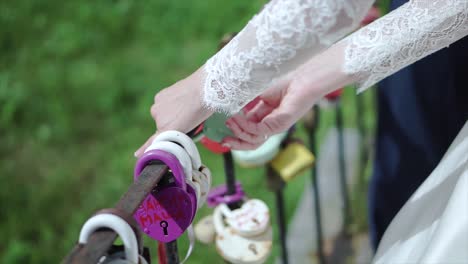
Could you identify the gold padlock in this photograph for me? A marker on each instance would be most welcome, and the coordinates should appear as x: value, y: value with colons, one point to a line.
x: 291, y: 161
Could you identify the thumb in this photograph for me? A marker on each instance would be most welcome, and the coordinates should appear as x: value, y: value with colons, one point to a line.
x: 269, y: 100
x: 285, y: 115
x: 273, y: 96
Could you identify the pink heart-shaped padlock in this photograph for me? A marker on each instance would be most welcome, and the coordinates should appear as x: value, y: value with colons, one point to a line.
x: 169, y: 211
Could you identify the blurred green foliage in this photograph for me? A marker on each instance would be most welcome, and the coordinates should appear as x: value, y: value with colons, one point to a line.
x: 76, y: 82
x: 97, y: 58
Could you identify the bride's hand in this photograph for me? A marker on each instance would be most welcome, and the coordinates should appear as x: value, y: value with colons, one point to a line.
x: 282, y: 105
x: 178, y: 107
x: 276, y: 110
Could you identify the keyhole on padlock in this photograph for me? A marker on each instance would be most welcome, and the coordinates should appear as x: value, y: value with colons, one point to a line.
x: 253, y: 248
x: 164, y: 226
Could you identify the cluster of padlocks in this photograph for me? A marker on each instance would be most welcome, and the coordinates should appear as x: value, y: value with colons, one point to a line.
x: 242, y: 235
x: 169, y: 210
x: 239, y: 226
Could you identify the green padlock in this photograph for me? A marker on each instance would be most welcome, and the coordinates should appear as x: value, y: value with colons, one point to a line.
x: 215, y: 127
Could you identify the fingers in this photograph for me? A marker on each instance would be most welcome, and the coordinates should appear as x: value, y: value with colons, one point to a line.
x: 236, y: 124
x: 238, y: 144
x: 259, y: 112
x: 267, y: 122
x: 248, y: 134
x: 253, y: 128
x: 278, y: 121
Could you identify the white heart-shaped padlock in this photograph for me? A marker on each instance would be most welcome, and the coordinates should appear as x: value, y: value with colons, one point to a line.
x: 239, y: 249
x: 251, y: 219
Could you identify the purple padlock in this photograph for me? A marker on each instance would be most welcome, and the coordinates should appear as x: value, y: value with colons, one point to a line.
x: 169, y: 211
x: 218, y: 195
x: 151, y: 156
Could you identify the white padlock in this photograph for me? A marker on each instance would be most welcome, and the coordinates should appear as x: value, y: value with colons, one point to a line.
x: 205, y: 231
x: 203, y: 177
x: 185, y: 141
x: 200, y: 175
x: 175, y: 150
x: 184, y: 159
x: 251, y: 219
x: 239, y: 249
x: 122, y: 228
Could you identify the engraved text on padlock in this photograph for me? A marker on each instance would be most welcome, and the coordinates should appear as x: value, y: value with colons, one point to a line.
x: 165, y: 217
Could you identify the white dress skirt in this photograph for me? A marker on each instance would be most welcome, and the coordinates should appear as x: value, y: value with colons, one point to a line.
x: 432, y: 227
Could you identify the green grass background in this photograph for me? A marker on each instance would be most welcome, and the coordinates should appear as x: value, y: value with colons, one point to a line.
x: 77, y: 79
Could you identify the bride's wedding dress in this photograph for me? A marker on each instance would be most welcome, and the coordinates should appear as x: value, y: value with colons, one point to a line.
x: 288, y: 32
x: 432, y: 227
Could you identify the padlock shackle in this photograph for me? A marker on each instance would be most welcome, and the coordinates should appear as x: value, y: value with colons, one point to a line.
x: 218, y: 221
x: 186, y: 142
x: 225, y: 210
x: 196, y: 133
x: 130, y: 220
x: 167, y: 159
x: 118, y: 225
x: 176, y: 150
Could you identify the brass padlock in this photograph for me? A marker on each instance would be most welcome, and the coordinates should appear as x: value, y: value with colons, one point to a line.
x: 292, y: 160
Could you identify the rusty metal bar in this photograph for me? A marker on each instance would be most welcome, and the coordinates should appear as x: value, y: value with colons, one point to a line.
x: 100, y: 241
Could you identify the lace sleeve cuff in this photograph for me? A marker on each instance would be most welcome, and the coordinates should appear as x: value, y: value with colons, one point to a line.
x: 411, y: 32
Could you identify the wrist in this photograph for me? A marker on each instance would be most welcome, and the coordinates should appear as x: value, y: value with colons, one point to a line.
x: 323, y: 73
x: 200, y: 78
x: 195, y: 83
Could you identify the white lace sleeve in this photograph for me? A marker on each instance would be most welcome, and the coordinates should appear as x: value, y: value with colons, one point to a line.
x: 411, y: 32
x: 278, y: 39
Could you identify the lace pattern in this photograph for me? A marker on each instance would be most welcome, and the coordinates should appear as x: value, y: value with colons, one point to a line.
x: 413, y: 31
x: 283, y: 35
